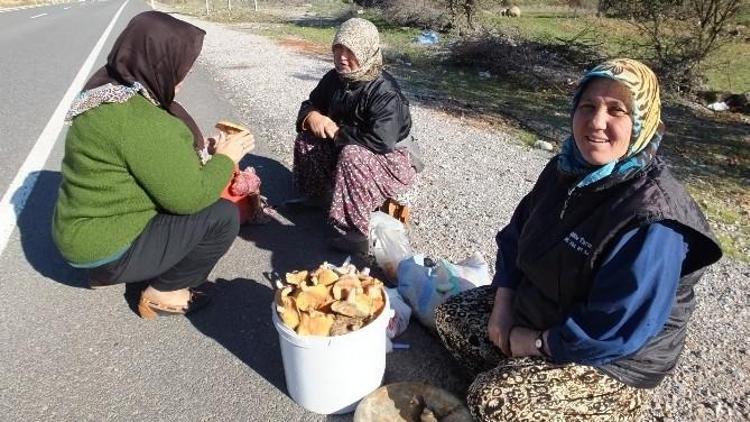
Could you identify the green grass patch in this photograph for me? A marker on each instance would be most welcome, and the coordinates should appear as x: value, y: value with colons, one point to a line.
x: 318, y: 36
x: 729, y: 68
x: 729, y: 221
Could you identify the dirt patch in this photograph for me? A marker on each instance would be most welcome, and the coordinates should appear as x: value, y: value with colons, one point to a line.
x: 303, y: 46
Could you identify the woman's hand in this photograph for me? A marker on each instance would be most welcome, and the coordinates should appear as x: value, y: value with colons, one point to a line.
x: 522, y: 341
x: 320, y: 125
x: 235, y: 146
x: 501, y: 320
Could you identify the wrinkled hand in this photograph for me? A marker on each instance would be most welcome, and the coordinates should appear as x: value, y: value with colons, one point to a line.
x: 235, y: 146
x: 501, y: 320
x: 320, y: 125
x: 522, y: 341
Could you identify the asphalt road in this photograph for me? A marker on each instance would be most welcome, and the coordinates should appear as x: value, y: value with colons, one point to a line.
x: 68, y: 353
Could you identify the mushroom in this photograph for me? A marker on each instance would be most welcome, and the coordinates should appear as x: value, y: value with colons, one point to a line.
x: 344, y: 285
x: 350, y: 309
x: 296, y: 277
x: 344, y: 325
x: 311, y: 297
x: 375, y: 294
x: 287, y: 308
x: 315, y: 323
x: 327, y: 277
x: 363, y: 303
x: 282, y: 296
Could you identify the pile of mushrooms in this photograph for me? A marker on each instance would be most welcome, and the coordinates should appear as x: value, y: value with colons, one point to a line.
x: 329, y: 301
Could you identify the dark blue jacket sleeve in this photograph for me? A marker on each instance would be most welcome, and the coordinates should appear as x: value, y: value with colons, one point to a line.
x: 507, y: 273
x: 630, y: 299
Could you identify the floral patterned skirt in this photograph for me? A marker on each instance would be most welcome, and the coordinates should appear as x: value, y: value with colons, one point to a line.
x: 526, y: 389
x: 353, y: 179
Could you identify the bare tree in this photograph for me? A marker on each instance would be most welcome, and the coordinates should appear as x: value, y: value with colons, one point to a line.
x: 469, y: 8
x: 575, y: 5
x: 680, y: 34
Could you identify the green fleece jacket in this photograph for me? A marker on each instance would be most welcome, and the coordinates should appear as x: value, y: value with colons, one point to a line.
x: 123, y: 164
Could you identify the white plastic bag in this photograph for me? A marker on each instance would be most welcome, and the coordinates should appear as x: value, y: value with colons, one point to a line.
x: 425, y: 287
x: 401, y: 314
x: 389, y: 243
x: 472, y: 271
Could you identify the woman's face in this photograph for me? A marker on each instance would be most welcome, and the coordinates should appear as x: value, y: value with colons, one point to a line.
x: 344, y: 60
x: 601, y: 122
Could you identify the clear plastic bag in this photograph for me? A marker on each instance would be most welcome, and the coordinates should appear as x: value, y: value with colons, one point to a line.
x: 389, y: 243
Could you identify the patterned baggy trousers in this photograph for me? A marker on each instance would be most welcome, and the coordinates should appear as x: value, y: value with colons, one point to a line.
x: 525, y: 389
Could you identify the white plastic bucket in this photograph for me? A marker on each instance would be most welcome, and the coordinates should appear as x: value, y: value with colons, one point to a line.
x: 330, y: 375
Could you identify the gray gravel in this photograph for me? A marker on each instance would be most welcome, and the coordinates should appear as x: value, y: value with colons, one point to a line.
x: 474, y: 178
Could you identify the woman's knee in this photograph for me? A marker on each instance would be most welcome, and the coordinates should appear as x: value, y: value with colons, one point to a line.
x: 450, y: 316
x: 442, y: 322
x: 488, y: 399
x: 354, y: 154
x: 226, y: 218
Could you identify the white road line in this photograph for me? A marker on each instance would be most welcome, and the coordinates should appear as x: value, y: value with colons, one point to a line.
x: 38, y: 16
x: 66, y: 8
x: 18, y: 192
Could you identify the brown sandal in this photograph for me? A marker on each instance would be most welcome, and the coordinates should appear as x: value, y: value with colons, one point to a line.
x: 149, y: 309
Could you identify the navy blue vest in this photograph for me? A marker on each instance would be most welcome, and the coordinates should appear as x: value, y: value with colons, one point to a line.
x: 567, y: 234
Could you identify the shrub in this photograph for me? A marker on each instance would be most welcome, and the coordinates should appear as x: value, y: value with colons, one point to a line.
x: 426, y: 14
x: 553, y: 63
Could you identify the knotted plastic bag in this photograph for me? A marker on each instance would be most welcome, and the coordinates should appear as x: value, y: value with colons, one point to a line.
x: 389, y: 243
x: 425, y: 284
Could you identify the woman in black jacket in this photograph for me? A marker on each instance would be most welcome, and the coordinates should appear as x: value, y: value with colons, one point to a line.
x: 352, y: 151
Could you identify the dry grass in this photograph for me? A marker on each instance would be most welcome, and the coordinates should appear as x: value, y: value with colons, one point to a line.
x: 15, y: 3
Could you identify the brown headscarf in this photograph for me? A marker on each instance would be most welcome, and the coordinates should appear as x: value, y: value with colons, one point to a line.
x: 157, y: 51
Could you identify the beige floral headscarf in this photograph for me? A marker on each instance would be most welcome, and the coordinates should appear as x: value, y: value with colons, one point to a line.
x: 362, y: 38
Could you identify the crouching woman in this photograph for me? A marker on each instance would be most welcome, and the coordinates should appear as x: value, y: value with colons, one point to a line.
x: 595, y: 271
x: 353, y: 150
x: 136, y: 204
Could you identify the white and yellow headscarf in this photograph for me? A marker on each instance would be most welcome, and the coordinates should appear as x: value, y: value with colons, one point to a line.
x: 362, y: 38
x: 645, y: 112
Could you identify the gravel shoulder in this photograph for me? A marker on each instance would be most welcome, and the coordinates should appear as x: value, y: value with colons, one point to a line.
x: 474, y: 178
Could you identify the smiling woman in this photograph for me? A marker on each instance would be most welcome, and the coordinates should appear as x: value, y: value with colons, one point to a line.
x: 595, y: 270
x: 601, y: 123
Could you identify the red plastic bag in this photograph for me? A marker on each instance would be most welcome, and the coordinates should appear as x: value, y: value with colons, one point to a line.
x: 248, y: 204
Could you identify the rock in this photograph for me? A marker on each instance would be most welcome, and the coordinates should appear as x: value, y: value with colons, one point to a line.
x: 718, y: 106
x: 544, y: 145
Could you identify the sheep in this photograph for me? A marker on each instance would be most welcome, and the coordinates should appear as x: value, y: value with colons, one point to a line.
x: 512, y: 12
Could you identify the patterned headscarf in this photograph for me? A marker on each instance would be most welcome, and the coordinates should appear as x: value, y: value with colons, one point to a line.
x: 362, y: 38
x: 645, y: 112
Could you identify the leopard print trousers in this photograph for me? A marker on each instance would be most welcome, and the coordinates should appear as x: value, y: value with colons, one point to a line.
x: 526, y: 389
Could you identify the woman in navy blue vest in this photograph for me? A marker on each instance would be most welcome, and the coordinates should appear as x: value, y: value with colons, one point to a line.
x: 595, y: 270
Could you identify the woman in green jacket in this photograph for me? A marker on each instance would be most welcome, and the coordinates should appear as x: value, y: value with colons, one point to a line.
x: 136, y: 202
